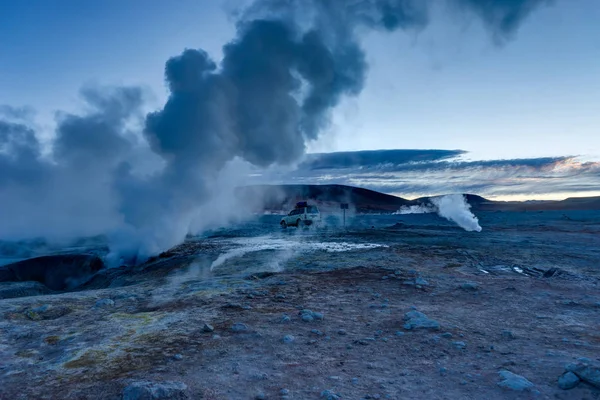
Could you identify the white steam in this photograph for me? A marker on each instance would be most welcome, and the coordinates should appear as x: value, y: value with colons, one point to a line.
x: 453, y: 207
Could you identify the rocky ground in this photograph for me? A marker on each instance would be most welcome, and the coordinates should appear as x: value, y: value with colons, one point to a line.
x: 433, y: 312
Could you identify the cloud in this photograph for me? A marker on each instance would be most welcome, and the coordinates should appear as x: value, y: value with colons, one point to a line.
x: 374, y: 159
x: 415, y: 173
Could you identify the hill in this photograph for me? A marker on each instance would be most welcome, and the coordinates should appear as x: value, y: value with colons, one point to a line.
x: 278, y: 198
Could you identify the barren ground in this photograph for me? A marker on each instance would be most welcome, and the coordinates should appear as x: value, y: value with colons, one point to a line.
x: 521, y: 296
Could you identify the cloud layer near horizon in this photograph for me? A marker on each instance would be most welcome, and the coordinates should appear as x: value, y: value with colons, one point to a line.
x: 414, y: 173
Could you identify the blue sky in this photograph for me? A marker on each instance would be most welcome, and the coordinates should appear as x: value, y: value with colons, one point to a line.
x: 448, y: 86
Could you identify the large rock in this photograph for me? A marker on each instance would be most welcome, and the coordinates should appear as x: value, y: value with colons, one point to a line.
x: 515, y: 382
x: 418, y: 320
x: 568, y: 380
x: 145, y: 390
x: 587, y: 373
x: 58, y: 272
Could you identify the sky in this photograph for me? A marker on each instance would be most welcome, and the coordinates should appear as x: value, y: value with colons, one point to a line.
x: 451, y: 85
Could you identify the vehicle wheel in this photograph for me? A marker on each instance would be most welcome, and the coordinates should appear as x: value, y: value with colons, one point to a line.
x: 298, y: 223
x: 283, y: 224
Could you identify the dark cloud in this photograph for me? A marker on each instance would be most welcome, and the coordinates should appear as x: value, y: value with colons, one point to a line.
x: 502, y: 17
x: 374, y: 158
x: 414, y: 173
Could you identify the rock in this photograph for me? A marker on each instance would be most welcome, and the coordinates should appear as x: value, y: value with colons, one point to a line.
x: 285, y: 318
x: 447, y: 335
x: 145, y: 390
x: 104, y: 303
x: 514, y: 382
x: 459, y: 345
x: 207, y: 328
x: 57, y: 272
x: 508, y: 334
x: 568, y: 380
x: 469, y: 286
x: 309, y: 315
x: 239, y: 327
x: 418, y: 320
x: 316, y: 332
x: 260, y: 396
x: 318, y: 316
x: 341, y: 332
x: 46, y: 312
x: 421, y: 282
x: 307, y: 318
x: 586, y: 372
x: 330, y: 395
x: 288, y: 339
x: 178, y: 357
x: 284, y: 392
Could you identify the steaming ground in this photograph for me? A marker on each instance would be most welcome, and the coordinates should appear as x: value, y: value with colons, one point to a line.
x: 519, y: 296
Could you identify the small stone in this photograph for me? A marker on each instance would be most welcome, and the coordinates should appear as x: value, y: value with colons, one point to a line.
x: 568, y: 380
x: 385, y: 277
x: 208, y: 328
x: 329, y: 395
x: 443, y: 371
x: 285, y: 318
x: 280, y: 296
x: 239, y: 327
x: 284, y: 392
x: 447, y: 335
x: 104, y: 303
x: 469, y: 286
x: 144, y: 390
x: 316, y: 332
x: 317, y: 316
x: 400, y: 333
x: 354, y: 381
x: 260, y: 396
x: 307, y: 318
x: 288, y: 339
x: 514, y: 382
x: 341, y: 332
x: 459, y: 345
x: 508, y: 334
x: 421, y: 282
x: 178, y: 357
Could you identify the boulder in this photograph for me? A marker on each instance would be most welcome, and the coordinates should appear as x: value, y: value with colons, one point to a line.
x: 57, y: 272
x: 418, y: 320
x: 568, y: 380
x: 586, y: 372
x: 515, y: 382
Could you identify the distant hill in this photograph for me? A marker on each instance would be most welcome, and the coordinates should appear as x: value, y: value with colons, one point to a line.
x: 278, y: 198
x: 283, y: 197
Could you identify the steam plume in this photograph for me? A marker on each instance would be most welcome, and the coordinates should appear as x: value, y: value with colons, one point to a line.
x: 453, y: 207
